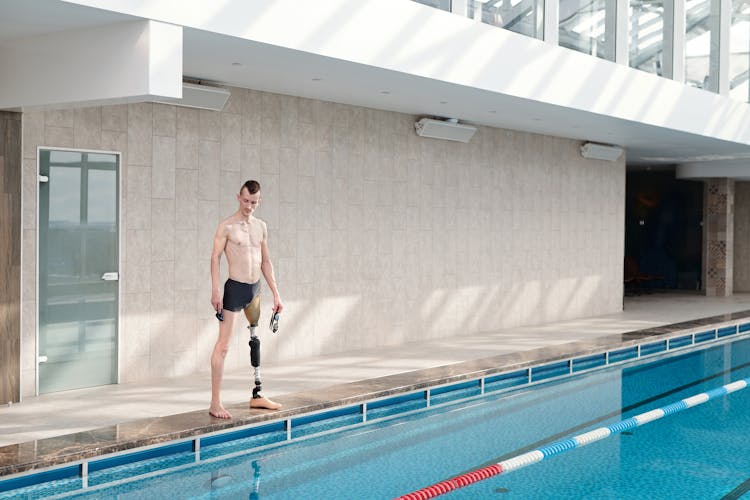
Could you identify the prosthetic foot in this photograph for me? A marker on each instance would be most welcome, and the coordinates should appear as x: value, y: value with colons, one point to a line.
x: 252, y: 312
x: 257, y: 400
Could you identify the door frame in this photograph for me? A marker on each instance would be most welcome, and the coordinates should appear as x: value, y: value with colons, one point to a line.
x: 118, y: 344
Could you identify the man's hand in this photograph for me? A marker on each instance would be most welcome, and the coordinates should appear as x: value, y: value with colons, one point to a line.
x: 277, y: 305
x: 216, y: 301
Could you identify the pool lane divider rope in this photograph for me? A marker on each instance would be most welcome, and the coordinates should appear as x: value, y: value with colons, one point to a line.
x: 564, y: 445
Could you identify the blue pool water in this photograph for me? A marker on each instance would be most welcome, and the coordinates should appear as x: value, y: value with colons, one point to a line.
x: 702, y: 452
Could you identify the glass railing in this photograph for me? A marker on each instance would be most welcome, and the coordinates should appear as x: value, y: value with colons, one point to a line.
x: 647, y: 35
x: 589, y: 26
x: 583, y: 27
x: 739, y: 50
x: 438, y: 4
x: 525, y: 17
x: 698, y: 44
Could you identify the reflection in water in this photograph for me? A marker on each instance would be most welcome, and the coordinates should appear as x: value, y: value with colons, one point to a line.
x: 256, y: 480
x: 219, y: 481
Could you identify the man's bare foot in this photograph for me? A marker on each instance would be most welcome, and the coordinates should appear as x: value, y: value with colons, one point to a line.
x: 264, y: 402
x: 218, y: 411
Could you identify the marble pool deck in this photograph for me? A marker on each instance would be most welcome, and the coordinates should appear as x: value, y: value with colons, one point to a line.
x: 76, y: 425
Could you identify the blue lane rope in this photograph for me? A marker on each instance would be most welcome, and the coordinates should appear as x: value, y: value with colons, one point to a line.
x: 623, y: 425
x: 564, y: 445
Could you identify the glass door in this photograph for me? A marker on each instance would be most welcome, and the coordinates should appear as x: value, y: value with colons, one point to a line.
x: 78, y: 269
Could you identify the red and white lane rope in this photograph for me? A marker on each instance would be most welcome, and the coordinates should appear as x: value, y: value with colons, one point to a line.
x: 558, y: 447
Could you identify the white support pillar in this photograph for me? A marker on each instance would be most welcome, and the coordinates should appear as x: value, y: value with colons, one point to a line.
x: 551, y: 33
x: 673, y: 58
x: 460, y: 7
x: 718, y: 70
x: 725, y: 25
x: 621, y: 30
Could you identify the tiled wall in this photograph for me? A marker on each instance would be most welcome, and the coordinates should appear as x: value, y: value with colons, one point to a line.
x: 10, y: 256
x: 378, y: 236
x: 741, y: 243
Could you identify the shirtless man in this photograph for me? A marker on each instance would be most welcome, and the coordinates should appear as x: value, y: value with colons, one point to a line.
x: 243, y: 239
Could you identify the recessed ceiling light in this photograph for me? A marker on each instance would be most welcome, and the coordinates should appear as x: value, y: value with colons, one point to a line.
x: 236, y: 64
x: 316, y: 79
x: 385, y: 92
x: 443, y: 102
x: 493, y: 111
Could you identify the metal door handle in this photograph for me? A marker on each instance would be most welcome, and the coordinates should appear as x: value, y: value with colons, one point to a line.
x: 114, y: 276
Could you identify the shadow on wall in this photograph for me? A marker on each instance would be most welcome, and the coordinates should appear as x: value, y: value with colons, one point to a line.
x: 334, y: 324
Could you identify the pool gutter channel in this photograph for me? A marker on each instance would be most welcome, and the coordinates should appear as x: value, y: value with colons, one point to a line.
x: 299, y: 423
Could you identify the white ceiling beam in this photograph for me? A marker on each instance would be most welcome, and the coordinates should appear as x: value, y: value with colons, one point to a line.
x: 129, y: 61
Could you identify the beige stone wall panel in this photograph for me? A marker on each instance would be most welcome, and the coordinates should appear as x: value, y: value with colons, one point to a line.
x: 378, y: 236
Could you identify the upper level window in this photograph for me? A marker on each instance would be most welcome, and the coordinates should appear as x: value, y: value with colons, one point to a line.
x: 520, y: 16
x: 438, y: 4
x: 647, y: 35
x: 588, y: 26
x: 739, y: 50
x: 698, y: 44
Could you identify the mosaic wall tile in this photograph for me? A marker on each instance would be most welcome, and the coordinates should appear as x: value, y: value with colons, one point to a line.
x: 718, y: 233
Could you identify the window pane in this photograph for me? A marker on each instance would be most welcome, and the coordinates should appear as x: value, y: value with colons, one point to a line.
x: 739, y: 53
x: 698, y: 43
x: 65, y: 198
x: 102, y: 192
x: 520, y: 16
x: 583, y: 26
x: 70, y: 157
x: 647, y: 35
x: 438, y: 4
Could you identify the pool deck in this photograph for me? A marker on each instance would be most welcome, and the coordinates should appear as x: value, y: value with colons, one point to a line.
x: 75, y: 425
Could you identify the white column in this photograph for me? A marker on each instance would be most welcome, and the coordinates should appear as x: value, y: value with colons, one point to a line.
x: 725, y: 25
x: 673, y: 58
x: 460, y: 7
x: 718, y: 70
x: 551, y: 32
x: 621, y: 29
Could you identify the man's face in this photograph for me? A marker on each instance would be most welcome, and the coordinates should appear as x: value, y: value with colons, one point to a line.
x: 248, y: 202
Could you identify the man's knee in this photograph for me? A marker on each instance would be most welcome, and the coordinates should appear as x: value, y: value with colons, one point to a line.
x: 221, y: 348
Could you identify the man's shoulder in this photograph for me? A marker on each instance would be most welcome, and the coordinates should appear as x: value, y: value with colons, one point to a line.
x: 229, y: 220
x: 226, y: 224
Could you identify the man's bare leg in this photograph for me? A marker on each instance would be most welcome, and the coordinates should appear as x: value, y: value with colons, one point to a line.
x: 252, y: 313
x: 219, y: 354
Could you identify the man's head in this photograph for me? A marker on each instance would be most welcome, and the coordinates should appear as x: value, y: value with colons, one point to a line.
x: 249, y: 197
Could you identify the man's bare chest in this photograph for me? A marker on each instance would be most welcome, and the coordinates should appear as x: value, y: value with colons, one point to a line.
x: 245, y: 235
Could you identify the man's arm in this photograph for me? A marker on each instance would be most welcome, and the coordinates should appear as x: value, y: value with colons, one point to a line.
x: 267, y: 269
x: 220, y: 241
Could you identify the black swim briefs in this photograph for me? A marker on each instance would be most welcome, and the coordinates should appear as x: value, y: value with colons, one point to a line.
x: 238, y: 295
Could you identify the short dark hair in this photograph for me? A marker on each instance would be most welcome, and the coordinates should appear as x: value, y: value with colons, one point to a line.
x: 251, y: 186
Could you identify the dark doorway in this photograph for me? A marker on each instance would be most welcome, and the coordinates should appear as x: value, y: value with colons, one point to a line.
x: 663, y: 232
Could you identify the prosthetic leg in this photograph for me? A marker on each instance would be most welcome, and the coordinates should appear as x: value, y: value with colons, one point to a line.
x: 252, y: 313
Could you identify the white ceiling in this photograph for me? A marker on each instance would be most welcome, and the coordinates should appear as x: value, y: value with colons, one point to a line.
x: 213, y: 57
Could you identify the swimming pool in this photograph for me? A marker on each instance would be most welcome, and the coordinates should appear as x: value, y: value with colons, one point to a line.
x: 694, y: 453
